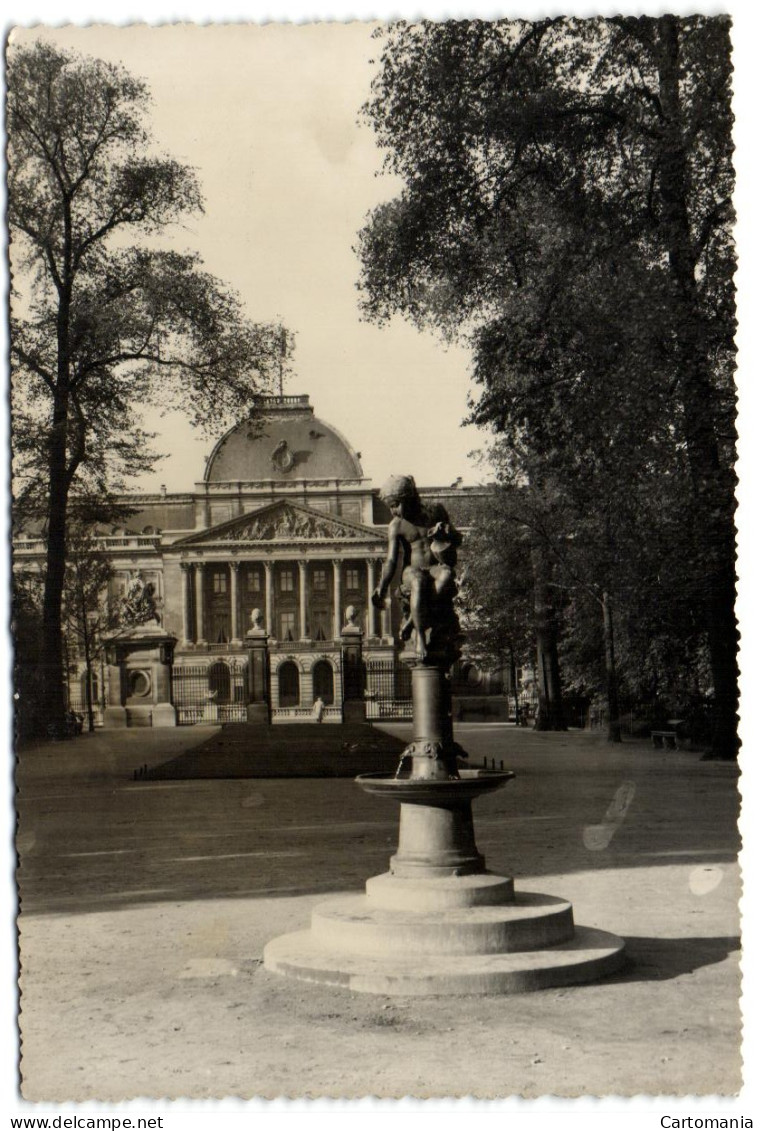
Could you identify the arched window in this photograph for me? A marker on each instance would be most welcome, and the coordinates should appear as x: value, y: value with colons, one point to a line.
x: 323, y: 682
x: 93, y: 687
x: 220, y: 681
x: 289, y: 685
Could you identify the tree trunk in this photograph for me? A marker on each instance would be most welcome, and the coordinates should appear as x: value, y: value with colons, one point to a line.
x: 611, y: 672
x: 712, y: 485
x: 88, y: 659
x: 550, y: 712
x: 51, y: 664
x: 513, y: 677
x: 53, y: 705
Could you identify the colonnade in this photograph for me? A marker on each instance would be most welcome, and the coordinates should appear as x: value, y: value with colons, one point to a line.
x: 193, y: 603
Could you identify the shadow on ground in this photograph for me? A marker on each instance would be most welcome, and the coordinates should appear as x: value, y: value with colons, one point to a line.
x: 296, y: 751
x: 657, y: 960
x: 91, y: 839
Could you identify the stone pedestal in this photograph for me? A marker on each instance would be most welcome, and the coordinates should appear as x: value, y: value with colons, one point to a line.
x: 258, y: 705
x: 431, y: 756
x: 438, y: 922
x: 114, y: 718
x: 354, y: 711
x: 140, y: 678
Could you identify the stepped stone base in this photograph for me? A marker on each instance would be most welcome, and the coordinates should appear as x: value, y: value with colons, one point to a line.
x: 445, y: 935
x: 590, y: 954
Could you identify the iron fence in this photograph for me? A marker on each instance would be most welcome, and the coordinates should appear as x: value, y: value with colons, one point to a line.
x: 387, y: 689
x: 78, y: 704
x: 212, y: 693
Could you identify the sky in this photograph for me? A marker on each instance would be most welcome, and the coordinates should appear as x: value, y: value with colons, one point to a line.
x: 269, y: 118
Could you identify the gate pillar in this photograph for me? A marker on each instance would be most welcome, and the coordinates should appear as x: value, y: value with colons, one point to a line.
x: 258, y: 690
x: 353, y: 704
x: 140, y: 682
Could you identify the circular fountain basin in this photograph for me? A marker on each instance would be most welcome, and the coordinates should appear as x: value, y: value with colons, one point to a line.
x: 416, y: 791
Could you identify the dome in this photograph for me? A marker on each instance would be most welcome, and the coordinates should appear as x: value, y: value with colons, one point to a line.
x: 291, y: 444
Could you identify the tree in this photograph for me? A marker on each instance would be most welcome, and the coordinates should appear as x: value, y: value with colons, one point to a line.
x: 495, y: 600
x: 508, y: 598
x: 26, y: 626
x: 100, y: 327
x: 86, y: 612
x: 553, y: 166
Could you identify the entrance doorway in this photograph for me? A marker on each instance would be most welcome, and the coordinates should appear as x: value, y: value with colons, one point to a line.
x: 323, y: 682
x: 289, y: 685
x: 220, y: 682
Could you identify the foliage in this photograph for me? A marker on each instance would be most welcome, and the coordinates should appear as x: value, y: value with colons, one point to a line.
x: 86, y: 614
x: 26, y: 626
x: 496, y: 587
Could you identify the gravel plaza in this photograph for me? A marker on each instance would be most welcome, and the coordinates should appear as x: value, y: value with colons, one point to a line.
x: 146, y: 904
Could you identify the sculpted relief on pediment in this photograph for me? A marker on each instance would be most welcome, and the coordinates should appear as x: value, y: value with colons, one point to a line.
x: 282, y: 524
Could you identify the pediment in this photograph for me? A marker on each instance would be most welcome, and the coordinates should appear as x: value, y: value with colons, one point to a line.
x: 284, y: 522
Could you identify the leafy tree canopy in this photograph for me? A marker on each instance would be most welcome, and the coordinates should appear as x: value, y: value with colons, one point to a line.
x: 566, y: 206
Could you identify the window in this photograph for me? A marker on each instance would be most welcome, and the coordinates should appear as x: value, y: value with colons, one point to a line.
x: 219, y: 581
x: 220, y: 628
x: 353, y: 578
x: 319, y: 578
x: 253, y: 581
x: 93, y: 687
x: 286, y: 581
x: 288, y: 625
x: 323, y: 682
x: 320, y: 624
x: 289, y: 685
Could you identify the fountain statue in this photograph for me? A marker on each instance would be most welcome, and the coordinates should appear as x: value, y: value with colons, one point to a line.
x: 438, y: 922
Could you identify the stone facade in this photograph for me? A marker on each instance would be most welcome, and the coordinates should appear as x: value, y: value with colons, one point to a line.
x: 282, y: 530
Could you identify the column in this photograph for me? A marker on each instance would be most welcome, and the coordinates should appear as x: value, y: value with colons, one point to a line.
x: 185, y: 600
x: 337, y: 611
x: 268, y: 566
x: 199, y: 591
x: 235, y: 626
x: 369, y: 603
x: 303, y: 568
x: 385, y: 628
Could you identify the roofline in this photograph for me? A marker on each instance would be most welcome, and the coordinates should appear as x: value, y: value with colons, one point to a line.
x: 271, y: 406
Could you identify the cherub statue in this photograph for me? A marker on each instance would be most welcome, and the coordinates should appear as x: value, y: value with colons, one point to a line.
x: 426, y: 543
x: 256, y: 620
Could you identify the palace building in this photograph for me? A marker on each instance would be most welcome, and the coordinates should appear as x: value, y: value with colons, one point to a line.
x: 284, y: 531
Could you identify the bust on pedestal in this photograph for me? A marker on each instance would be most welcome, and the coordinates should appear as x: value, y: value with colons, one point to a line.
x: 140, y: 655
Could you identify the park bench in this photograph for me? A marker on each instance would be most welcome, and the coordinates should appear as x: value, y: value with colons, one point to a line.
x: 664, y: 739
